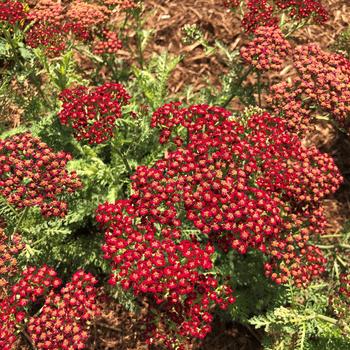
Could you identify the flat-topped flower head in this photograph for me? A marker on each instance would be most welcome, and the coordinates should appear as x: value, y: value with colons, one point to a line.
x: 268, y: 50
x: 92, y: 113
x: 32, y: 174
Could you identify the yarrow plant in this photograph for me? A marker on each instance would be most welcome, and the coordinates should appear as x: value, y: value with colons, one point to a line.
x: 92, y: 113
x: 197, y: 204
x: 238, y: 185
x: 33, y: 175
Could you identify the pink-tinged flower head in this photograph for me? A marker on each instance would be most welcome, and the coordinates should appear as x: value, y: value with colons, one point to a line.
x: 32, y: 174
x: 267, y: 50
x: 110, y: 43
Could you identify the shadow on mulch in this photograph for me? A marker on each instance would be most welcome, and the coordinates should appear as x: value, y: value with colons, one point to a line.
x: 120, y: 329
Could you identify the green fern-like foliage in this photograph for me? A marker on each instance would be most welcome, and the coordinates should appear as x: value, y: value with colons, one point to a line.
x: 302, y: 322
x: 153, y: 79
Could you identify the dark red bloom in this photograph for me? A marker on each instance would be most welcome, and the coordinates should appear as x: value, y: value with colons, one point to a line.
x: 92, y: 113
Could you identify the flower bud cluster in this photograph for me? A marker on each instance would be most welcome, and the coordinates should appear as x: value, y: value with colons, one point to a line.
x: 267, y: 50
x: 88, y: 15
x: 63, y: 320
x: 286, y: 101
x: 92, y: 113
x: 32, y: 174
x: 47, y: 11
x: 323, y: 81
x: 109, y: 44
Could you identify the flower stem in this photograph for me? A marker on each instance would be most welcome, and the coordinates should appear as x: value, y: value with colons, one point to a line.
x: 19, y: 222
x: 259, y: 88
x: 125, y: 160
x: 234, y: 86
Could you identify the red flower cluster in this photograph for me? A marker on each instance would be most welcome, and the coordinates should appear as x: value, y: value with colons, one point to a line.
x: 301, y: 9
x: 292, y: 256
x: 11, y: 11
x: 152, y: 258
x: 31, y: 174
x: 267, y: 50
x: 344, y: 289
x: 52, y: 29
x: 51, y: 37
x: 259, y: 13
x: 92, y: 112
x: 109, y: 44
x: 63, y: 320
x: 33, y: 284
x: 55, y: 23
x: 240, y: 184
x: 324, y: 80
x: 266, y: 13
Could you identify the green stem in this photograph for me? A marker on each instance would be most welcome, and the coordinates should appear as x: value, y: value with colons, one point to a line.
x: 327, y: 319
x: 259, y: 89
x: 342, y: 262
x: 37, y: 84
x: 342, y: 245
x: 28, y: 339
x: 331, y: 236
x: 233, y: 90
x: 322, y: 117
x: 125, y: 160
x: 139, y: 39
x: 325, y: 246
x: 122, y: 29
x: 19, y: 222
